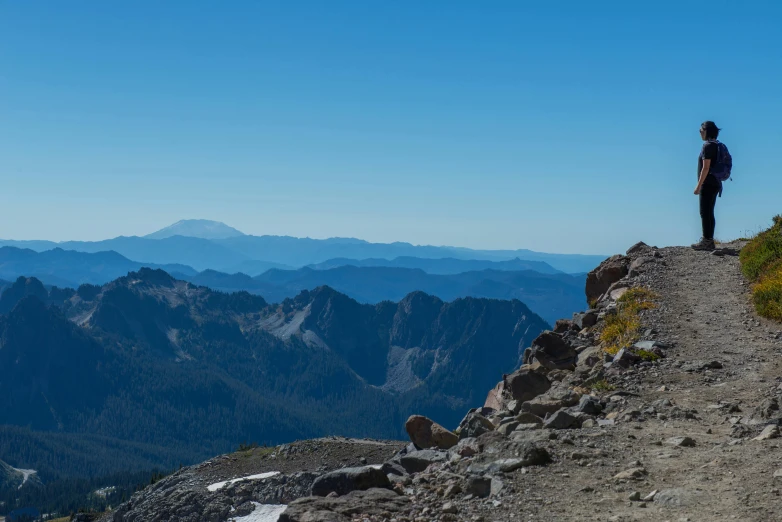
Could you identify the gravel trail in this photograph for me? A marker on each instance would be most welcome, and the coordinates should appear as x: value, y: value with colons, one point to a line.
x: 722, y: 380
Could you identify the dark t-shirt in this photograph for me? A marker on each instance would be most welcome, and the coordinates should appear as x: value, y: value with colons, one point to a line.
x: 709, y: 151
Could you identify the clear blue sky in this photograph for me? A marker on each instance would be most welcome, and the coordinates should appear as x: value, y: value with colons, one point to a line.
x: 556, y: 126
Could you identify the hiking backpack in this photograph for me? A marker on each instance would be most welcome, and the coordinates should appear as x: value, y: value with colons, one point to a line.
x: 723, y: 163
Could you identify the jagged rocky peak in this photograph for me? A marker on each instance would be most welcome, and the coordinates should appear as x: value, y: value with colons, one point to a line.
x: 414, y: 316
x: 22, y: 287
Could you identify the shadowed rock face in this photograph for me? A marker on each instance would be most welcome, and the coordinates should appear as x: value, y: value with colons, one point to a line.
x: 552, y: 352
x: 343, y: 481
x: 607, y: 273
x: 526, y: 384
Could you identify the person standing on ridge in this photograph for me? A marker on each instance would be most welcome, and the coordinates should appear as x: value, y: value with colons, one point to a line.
x: 714, y: 167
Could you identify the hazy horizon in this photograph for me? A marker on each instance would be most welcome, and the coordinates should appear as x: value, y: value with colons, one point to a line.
x: 141, y: 235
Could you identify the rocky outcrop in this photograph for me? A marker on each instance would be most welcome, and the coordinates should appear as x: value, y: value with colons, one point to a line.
x: 343, y: 481
x: 526, y: 383
x: 373, y: 502
x: 551, y: 351
x: 621, y: 430
x: 601, y: 278
x: 426, y: 433
x: 474, y: 425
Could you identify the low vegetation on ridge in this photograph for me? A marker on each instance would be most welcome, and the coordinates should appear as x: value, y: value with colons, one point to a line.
x: 623, y: 328
x: 761, y: 262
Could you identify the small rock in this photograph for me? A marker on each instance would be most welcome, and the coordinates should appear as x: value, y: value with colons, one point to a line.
x: 452, y: 490
x: 589, y: 404
x: 634, y: 496
x: 676, y: 497
x: 478, y: 486
x: 684, y: 442
x: 449, y: 507
x: 508, y: 427
x: 625, y: 358
x: 769, y: 432
x: 496, y: 486
x: 650, y: 496
x: 632, y: 473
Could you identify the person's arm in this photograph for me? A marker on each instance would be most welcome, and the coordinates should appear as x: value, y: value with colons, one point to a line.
x: 703, y: 176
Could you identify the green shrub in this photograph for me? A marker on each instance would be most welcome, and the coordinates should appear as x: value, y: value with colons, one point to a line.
x: 603, y: 386
x: 761, y: 263
x: 763, y: 251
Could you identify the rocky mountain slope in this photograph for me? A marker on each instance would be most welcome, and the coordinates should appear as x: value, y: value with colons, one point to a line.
x: 681, y: 423
x: 155, y: 361
x: 12, y: 478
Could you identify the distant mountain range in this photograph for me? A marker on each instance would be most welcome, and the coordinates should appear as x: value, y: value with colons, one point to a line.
x: 213, y: 245
x: 446, y: 266
x: 552, y: 296
x: 150, y: 360
x: 68, y: 268
x: 549, y: 293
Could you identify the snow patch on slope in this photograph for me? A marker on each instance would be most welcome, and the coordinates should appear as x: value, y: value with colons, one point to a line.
x: 263, y: 513
x: 260, y: 476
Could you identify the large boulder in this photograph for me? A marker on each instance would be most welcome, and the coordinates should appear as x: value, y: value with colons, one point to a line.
x: 474, y: 425
x: 417, y: 461
x: 590, y: 357
x: 425, y: 433
x: 525, y: 384
x: 496, y: 397
x: 585, y: 319
x: 552, y: 352
x: 373, y: 502
x: 541, y: 407
x: 343, y: 481
x: 562, y: 420
x: 601, y: 278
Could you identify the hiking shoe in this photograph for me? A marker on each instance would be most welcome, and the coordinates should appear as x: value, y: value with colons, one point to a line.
x: 704, y: 244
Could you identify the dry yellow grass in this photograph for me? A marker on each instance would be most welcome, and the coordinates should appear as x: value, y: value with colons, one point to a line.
x: 623, y: 329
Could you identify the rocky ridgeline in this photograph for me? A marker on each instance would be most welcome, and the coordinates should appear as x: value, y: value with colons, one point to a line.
x: 574, y: 433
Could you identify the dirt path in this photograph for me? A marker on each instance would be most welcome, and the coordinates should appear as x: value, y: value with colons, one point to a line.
x: 717, y: 387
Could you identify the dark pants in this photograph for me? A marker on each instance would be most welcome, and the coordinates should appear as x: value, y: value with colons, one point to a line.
x: 708, y: 199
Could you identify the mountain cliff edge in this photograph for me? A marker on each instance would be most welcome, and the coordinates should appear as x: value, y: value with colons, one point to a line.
x: 659, y: 403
